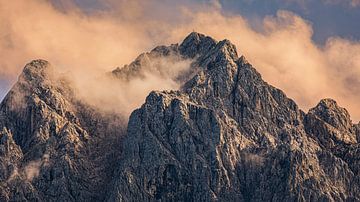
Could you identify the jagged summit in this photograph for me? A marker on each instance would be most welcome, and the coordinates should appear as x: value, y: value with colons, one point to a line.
x: 197, y: 39
x: 197, y: 47
x: 36, y: 66
x: 226, y: 45
x: 330, y: 124
x: 60, y: 146
x: 225, y: 135
x: 329, y: 111
x: 194, y: 38
x: 196, y: 44
x: 327, y: 104
x: 37, y: 71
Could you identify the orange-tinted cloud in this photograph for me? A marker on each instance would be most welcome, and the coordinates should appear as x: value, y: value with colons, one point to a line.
x: 283, y: 51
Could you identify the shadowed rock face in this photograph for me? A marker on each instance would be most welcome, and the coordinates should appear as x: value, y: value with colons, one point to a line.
x: 53, y: 147
x: 226, y: 135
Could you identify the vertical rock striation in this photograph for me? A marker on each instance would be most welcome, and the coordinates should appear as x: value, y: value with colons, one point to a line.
x: 225, y: 135
x: 229, y: 136
x: 49, y: 142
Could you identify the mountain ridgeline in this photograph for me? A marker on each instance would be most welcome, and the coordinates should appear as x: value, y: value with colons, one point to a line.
x: 225, y: 135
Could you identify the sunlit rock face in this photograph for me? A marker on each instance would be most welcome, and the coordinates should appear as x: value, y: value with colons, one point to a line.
x: 225, y: 135
x: 53, y: 147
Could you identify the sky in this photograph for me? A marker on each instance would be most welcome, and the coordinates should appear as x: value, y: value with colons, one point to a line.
x: 328, y: 17
x: 308, y: 48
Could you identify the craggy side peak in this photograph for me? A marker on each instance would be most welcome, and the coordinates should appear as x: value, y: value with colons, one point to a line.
x: 329, y: 111
x: 36, y: 69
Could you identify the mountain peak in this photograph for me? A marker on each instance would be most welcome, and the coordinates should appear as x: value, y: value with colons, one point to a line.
x: 37, y: 65
x: 224, y: 135
x: 194, y: 36
x: 36, y: 69
x: 196, y: 44
x: 229, y: 48
x: 230, y: 133
x: 329, y: 111
x: 328, y: 102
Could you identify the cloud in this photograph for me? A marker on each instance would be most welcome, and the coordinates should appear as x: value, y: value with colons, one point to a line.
x: 351, y: 3
x: 252, y: 160
x: 111, y: 94
x: 88, y: 45
x: 284, y: 53
x: 355, y: 3
x: 32, y: 170
x: 281, y: 49
x: 306, y: 3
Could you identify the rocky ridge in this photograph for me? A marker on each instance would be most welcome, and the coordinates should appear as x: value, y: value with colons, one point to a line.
x: 52, y: 141
x: 226, y: 135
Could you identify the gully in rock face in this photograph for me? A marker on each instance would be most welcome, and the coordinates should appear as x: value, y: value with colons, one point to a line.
x: 224, y: 135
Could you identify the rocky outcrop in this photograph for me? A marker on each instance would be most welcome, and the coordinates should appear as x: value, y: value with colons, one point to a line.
x: 226, y: 135
x: 332, y: 121
x: 229, y: 136
x: 52, y: 136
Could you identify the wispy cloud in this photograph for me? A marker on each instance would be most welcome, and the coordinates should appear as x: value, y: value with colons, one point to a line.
x: 283, y: 51
x: 32, y: 168
x: 355, y: 3
x: 306, y: 3
x: 350, y: 3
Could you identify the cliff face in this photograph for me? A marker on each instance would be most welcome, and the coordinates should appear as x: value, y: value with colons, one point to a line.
x: 55, y: 146
x: 226, y: 135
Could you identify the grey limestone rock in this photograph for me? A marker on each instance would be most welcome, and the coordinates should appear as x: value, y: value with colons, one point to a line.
x: 225, y: 135
x: 229, y: 136
x: 50, y: 142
